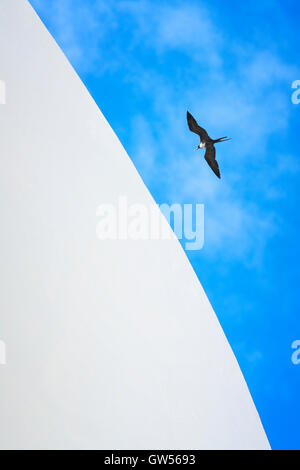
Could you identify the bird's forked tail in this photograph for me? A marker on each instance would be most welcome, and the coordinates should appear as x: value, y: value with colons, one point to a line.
x: 221, y: 139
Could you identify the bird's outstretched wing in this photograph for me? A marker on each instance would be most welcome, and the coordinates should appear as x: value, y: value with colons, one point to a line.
x: 210, y: 157
x: 193, y: 126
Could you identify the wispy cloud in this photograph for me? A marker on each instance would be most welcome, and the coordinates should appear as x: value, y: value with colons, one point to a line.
x: 184, y: 27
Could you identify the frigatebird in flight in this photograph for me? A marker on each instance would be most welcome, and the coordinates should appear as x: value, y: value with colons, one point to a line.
x: 207, y: 143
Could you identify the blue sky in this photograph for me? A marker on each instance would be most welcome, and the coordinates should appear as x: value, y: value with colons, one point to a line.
x: 232, y: 65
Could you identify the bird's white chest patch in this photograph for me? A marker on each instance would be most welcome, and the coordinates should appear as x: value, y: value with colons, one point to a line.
x: 202, y: 145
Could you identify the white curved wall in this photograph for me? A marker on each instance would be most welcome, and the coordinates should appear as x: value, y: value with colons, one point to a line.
x: 108, y: 344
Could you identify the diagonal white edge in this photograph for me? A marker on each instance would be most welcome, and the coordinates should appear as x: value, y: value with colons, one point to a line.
x: 111, y: 345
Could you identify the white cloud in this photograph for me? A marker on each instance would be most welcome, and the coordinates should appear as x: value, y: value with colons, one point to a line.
x: 184, y: 27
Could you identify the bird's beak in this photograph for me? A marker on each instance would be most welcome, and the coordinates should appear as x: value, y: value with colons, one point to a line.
x: 197, y: 148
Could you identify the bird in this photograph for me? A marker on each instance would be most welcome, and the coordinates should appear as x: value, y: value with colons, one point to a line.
x: 207, y: 143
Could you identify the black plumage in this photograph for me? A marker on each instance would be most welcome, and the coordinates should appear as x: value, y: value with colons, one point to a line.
x: 207, y: 143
